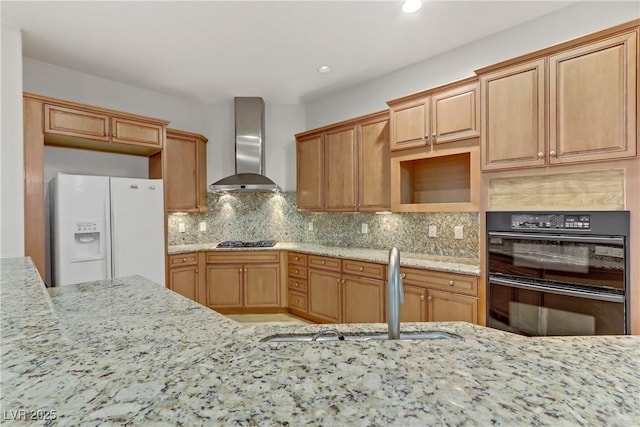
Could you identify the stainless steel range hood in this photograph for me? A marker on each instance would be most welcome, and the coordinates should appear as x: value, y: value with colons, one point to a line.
x: 249, y: 141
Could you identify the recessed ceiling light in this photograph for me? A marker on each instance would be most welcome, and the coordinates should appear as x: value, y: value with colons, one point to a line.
x: 411, y: 6
x: 324, y: 69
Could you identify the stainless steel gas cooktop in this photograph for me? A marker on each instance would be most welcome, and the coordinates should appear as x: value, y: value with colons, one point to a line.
x: 241, y: 244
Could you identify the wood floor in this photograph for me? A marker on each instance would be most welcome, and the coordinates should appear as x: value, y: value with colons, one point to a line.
x: 260, y: 319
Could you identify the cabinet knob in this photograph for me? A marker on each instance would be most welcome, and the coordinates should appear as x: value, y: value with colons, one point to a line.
x: 429, y: 298
x: 323, y: 263
x: 296, y: 271
x: 113, y: 135
x: 540, y: 155
x: 296, y: 284
x: 245, y: 270
x: 239, y: 270
x: 295, y: 258
x: 403, y: 275
x: 196, y: 271
x: 421, y: 297
x: 451, y: 283
x: 361, y: 268
x: 426, y: 137
x: 433, y: 135
x: 553, y: 154
x: 338, y: 280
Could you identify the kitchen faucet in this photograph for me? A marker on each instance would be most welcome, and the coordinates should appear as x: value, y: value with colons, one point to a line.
x: 395, y: 294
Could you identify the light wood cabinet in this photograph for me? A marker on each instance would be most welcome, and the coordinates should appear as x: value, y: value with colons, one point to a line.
x: 590, y: 87
x: 513, y: 109
x: 373, y: 164
x: 414, y: 308
x: 297, y: 283
x: 344, y: 167
x: 439, y: 297
x: 592, y: 101
x: 341, y: 158
x: 184, y: 275
x: 185, y: 171
x: 74, y: 126
x: 243, y: 280
x: 325, y: 296
x: 310, y: 172
x: 362, y: 300
x: 435, y: 116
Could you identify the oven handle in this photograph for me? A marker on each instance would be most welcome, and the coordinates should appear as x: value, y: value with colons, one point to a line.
x: 580, y: 239
x: 565, y: 292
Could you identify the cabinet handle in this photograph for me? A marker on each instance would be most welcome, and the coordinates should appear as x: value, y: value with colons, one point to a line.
x: 361, y: 268
x: 540, y: 155
x: 451, y: 283
x: 429, y: 298
x: 421, y: 297
x: 553, y: 154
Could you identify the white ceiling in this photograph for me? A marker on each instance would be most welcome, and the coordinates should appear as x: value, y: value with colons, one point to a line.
x: 214, y: 50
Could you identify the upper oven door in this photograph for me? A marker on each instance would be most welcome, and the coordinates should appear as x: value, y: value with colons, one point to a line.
x: 582, y: 260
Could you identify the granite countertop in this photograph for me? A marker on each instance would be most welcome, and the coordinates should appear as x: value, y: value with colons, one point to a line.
x: 408, y: 259
x: 127, y: 351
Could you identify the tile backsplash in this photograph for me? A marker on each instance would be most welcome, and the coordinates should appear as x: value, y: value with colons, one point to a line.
x: 267, y: 215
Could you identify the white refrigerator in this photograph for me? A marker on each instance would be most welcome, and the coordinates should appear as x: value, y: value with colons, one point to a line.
x: 106, y: 227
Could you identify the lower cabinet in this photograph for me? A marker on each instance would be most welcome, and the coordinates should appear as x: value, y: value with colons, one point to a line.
x: 238, y: 281
x: 363, y: 300
x: 438, y: 297
x: 185, y: 277
x: 324, y: 295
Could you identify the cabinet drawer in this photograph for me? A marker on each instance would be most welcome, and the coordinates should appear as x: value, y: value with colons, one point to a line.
x: 297, y: 271
x: 445, y: 281
x: 298, y: 285
x: 183, y: 259
x: 225, y: 257
x: 324, y: 262
x: 297, y: 301
x: 364, y: 269
x: 297, y: 258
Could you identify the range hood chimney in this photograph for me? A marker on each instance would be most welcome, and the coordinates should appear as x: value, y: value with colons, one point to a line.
x: 249, y: 141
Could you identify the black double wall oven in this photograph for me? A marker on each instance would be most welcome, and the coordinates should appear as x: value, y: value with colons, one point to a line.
x: 558, y: 273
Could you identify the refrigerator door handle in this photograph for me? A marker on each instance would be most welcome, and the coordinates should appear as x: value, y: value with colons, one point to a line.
x: 108, y: 234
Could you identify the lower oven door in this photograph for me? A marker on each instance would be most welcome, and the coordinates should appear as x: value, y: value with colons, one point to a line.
x: 537, y: 310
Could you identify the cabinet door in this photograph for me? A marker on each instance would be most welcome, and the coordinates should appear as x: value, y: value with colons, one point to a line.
x: 410, y: 124
x: 261, y: 286
x: 74, y: 122
x: 181, y: 173
x: 310, y: 173
x: 513, y: 117
x: 363, y: 300
x: 455, y: 114
x: 224, y: 286
x: 324, y: 295
x: 341, y: 167
x: 448, y: 307
x: 592, y: 104
x: 127, y: 131
x: 373, y: 168
x: 184, y: 280
x: 414, y: 308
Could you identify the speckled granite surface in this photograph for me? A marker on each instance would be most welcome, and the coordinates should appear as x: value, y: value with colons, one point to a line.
x: 127, y: 352
x: 431, y: 262
x: 273, y: 216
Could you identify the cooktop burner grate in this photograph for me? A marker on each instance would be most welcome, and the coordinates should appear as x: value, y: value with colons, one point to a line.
x: 241, y: 244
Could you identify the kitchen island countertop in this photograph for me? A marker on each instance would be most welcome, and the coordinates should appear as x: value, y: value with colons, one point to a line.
x: 127, y: 351
x: 408, y: 259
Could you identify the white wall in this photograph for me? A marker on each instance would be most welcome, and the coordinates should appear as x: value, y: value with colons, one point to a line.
x: 568, y: 23
x: 11, y: 152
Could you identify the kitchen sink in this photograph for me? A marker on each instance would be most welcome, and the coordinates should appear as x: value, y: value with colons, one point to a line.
x: 372, y: 336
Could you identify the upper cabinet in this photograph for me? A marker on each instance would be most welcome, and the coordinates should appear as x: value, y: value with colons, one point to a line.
x: 345, y: 167
x: 443, y: 114
x: 185, y: 171
x: 76, y: 126
x: 585, y: 91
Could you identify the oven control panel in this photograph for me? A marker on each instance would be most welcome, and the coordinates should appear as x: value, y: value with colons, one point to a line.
x: 550, y: 222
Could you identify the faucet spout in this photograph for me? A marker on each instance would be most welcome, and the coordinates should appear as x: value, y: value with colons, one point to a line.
x: 395, y: 294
